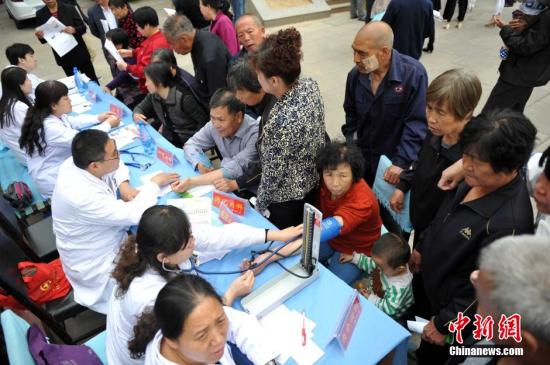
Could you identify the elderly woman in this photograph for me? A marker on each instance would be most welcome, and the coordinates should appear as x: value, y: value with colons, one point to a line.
x: 492, y: 202
x: 294, y: 132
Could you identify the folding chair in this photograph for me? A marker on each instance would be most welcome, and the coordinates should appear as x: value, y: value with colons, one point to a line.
x: 36, y: 240
x: 55, y: 314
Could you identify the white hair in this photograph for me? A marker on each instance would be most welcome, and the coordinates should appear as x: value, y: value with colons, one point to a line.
x: 518, y: 267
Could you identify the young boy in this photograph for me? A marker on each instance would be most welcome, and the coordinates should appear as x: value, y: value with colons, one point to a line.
x: 126, y: 86
x: 22, y: 55
x: 390, y: 254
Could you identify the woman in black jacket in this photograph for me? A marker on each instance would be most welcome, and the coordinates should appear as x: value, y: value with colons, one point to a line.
x: 77, y: 57
x: 171, y: 104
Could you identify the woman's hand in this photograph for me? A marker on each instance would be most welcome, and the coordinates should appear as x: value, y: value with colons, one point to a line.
x: 451, y: 176
x: 397, y: 200
x: 239, y: 287
x: 69, y: 30
x: 39, y: 34
x: 125, y: 52
x: 104, y: 116
x: 286, y: 234
x: 253, y: 265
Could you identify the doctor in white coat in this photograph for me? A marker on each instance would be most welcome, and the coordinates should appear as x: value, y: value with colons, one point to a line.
x: 190, y: 325
x: 48, y: 131
x: 89, y: 222
x: 164, y: 242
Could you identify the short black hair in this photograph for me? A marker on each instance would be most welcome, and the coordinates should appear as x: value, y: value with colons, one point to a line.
x: 393, y: 249
x: 89, y: 146
x: 118, y: 3
x: 119, y: 36
x: 543, y: 162
x: 160, y: 73
x: 502, y: 138
x: 223, y: 97
x: 241, y: 76
x: 337, y: 152
x: 146, y: 15
x: 164, y: 55
x: 17, y: 51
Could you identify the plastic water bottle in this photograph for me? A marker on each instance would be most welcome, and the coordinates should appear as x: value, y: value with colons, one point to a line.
x: 146, y: 140
x: 78, y: 81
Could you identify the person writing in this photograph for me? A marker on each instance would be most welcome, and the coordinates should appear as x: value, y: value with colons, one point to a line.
x: 48, y: 131
x: 89, y: 221
x: 190, y: 325
x: 163, y: 245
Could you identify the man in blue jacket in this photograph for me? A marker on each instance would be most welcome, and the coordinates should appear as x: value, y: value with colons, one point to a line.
x: 385, y: 102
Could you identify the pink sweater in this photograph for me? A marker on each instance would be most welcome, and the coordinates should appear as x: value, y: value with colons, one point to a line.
x: 223, y: 28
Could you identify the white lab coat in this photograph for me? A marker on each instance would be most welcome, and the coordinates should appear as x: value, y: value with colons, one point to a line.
x: 142, y: 292
x: 35, y: 80
x: 58, y: 135
x: 10, y: 135
x: 244, y: 331
x: 90, y: 224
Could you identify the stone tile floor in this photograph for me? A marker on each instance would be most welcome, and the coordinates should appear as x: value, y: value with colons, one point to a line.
x: 328, y: 57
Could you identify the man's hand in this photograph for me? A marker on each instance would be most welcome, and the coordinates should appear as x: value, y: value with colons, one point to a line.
x: 239, y: 287
x: 121, y: 65
x: 498, y: 21
x: 345, y: 257
x: 104, y: 116
x: 391, y: 175
x: 451, y: 176
x: 69, y: 30
x: 182, y: 185
x: 127, y: 192
x: 165, y: 178
x: 415, y: 261
x: 113, y: 120
x: 203, y: 169
x: 397, y: 200
x: 518, y: 25
x: 226, y: 185
x: 286, y: 234
x: 39, y: 34
x: 125, y: 52
x: 139, y: 117
x: 431, y: 335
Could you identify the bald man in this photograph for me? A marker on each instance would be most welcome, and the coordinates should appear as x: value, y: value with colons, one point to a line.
x: 250, y: 32
x: 385, y: 102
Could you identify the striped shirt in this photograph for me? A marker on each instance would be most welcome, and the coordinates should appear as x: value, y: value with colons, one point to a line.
x: 398, y: 295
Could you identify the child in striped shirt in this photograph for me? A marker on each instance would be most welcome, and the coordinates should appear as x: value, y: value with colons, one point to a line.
x: 390, y: 254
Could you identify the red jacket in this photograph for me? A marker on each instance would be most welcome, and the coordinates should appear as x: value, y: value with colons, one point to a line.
x: 143, y: 55
x: 361, y: 214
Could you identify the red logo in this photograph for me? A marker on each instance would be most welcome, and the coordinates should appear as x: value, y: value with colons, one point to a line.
x: 508, y: 327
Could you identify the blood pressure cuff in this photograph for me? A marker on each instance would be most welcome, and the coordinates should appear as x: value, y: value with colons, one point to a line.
x: 330, y: 228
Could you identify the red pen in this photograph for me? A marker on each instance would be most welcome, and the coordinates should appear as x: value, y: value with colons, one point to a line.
x: 303, y: 328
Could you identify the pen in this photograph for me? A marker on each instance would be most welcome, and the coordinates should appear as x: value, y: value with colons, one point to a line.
x: 303, y: 328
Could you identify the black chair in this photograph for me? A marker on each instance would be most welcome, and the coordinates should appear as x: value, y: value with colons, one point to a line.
x: 36, y: 240
x: 57, y: 314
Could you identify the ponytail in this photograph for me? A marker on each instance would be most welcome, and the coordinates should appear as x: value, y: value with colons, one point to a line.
x: 130, y: 264
x: 144, y: 331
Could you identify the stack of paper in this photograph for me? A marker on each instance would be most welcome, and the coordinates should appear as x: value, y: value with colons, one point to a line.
x: 285, y: 327
x: 124, y: 136
x: 198, y: 210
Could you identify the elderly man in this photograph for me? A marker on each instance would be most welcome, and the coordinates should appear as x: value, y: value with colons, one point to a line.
x: 250, y: 32
x: 385, y: 102
x: 513, y: 279
x: 233, y: 133
x: 209, y: 55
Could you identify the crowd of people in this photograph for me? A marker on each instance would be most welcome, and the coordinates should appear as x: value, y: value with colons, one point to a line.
x: 477, y: 249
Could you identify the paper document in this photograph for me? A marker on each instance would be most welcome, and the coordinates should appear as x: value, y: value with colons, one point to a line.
x: 105, y: 25
x: 285, y: 327
x: 198, y: 210
x: 170, y: 11
x: 201, y: 190
x: 418, y: 325
x: 110, y: 47
x: 163, y: 189
x: 61, y: 42
x: 125, y: 135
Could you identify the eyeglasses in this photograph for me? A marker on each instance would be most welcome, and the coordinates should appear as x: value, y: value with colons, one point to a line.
x: 117, y: 154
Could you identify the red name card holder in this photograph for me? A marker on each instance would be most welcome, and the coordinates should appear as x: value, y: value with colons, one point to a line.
x: 117, y: 110
x: 347, y: 324
x: 236, y: 205
x: 226, y: 215
x: 92, y: 96
x: 166, y: 156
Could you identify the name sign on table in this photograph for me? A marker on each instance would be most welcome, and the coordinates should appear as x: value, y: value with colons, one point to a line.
x: 349, y: 320
x: 92, y: 96
x: 115, y: 109
x: 226, y: 215
x: 236, y: 205
x: 166, y: 156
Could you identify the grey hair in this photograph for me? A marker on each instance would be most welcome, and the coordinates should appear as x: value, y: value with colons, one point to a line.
x: 176, y: 25
x: 254, y: 17
x: 518, y: 268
